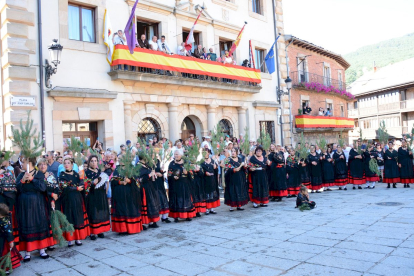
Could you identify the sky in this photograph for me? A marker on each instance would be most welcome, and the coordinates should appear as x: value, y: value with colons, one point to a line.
x: 342, y: 26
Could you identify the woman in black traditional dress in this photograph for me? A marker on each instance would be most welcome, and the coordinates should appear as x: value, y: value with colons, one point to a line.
x: 258, y: 184
x: 405, y: 162
x: 304, y: 173
x: 210, y: 183
x: 278, y: 182
x: 126, y: 204
x: 179, y: 193
x: 235, y: 192
x: 380, y: 160
x: 293, y: 173
x: 197, y: 191
x: 8, y: 195
x: 356, y: 166
x: 328, y: 174
x: 151, y: 206
x: 72, y: 203
x: 269, y: 171
x: 33, y: 217
x: 391, y: 170
x: 370, y: 176
x: 315, y: 170
x: 97, y: 205
x: 162, y: 194
x: 341, y: 170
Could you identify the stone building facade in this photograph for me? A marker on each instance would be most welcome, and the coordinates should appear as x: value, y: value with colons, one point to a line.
x: 311, y: 64
x: 90, y: 100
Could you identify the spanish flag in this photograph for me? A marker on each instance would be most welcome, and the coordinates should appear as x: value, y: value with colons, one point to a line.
x: 236, y: 43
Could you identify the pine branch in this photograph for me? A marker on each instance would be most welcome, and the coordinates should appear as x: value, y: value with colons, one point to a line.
x: 373, y: 166
x: 216, y: 134
x: 321, y: 143
x: 127, y: 169
x: 303, y: 151
x: 341, y: 141
x: 245, y: 146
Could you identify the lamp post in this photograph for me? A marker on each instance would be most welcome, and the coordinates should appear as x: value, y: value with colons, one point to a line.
x: 55, y: 53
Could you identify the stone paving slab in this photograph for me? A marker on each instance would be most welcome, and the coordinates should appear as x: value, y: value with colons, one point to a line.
x: 347, y: 234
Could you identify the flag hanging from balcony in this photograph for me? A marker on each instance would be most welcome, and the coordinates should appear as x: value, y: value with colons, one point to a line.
x: 236, y: 43
x: 130, y: 30
x: 107, y: 35
x: 270, y: 58
x: 190, y: 38
x: 251, y: 55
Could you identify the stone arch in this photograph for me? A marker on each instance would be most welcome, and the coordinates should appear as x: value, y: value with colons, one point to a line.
x: 233, y: 119
x: 197, y: 116
x: 156, y: 115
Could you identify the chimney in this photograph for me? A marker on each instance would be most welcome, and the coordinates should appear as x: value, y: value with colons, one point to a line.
x: 375, y: 67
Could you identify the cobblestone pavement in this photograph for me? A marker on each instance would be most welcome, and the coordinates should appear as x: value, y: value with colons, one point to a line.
x: 354, y: 232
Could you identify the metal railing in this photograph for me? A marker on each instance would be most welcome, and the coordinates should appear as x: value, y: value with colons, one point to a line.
x: 183, y: 76
x: 301, y: 77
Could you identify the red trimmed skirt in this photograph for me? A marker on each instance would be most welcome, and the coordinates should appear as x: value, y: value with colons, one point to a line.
x: 100, y: 227
x: 406, y: 180
x: 213, y: 204
x: 372, y: 178
x: 356, y: 181
x: 341, y: 182
x: 236, y: 204
x: 293, y: 190
x: 183, y: 215
x: 164, y: 211
x: 15, y: 228
x: 279, y: 193
x: 200, y: 207
x: 36, y: 245
x: 328, y: 184
x: 391, y: 180
x: 144, y: 211
x: 126, y: 225
x: 316, y: 187
x: 80, y: 233
x: 259, y: 200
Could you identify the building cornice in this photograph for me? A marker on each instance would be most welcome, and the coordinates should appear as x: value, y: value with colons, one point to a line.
x: 81, y: 94
x: 266, y: 104
x: 392, y: 87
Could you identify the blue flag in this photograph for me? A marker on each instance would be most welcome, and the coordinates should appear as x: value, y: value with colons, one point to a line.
x: 270, y: 58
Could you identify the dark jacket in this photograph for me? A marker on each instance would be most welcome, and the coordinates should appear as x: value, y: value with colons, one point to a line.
x: 198, y: 53
x: 143, y: 44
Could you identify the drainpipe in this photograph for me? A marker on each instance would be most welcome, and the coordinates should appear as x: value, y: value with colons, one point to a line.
x: 278, y: 74
x: 290, y: 102
x: 41, y: 68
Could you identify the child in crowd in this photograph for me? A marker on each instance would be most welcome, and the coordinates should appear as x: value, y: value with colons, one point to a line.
x: 303, y: 198
x: 6, y: 237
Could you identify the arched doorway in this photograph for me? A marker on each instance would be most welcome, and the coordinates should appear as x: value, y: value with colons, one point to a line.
x: 226, y: 127
x: 149, y: 128
x: 187, y: 128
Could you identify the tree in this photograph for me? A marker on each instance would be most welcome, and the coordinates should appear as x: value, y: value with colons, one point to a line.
x: 383, y: 135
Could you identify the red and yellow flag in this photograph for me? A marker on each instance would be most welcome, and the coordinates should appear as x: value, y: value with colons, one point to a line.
x: 236, y: 43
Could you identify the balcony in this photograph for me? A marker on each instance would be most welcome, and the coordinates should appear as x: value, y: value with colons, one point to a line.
x: 321, y: 84
x: 317, y: 123
x: 371, y: 133
x: 353, y: 113
x: 157, y: 67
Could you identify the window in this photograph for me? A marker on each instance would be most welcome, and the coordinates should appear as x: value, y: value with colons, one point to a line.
x: 81, y: 22
x: 149, y: 29
x: 342, y: 111
x: 226, y: 127
x: 196, y: 39
x: 326, y: 75
x: 356, y: 105
x: 340, y: 83
x: 302, y: 69
x: 260, y: 57
x: 269, y: 127
x: 330, y: 106
x: 149, y: 128
x: 257, y: 6
x: 225, y: 45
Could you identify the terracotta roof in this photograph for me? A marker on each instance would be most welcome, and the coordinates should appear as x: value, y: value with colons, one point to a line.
x: 393, y: 76
x: 318, y: 49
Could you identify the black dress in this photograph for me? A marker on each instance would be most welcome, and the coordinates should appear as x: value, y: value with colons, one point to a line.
x: 391, y: 170
x: 210, y: 185
x: 97, y: 205
x: 328, y: 177
x: 293, y: 171
x: 341, y: 169
x: 179, y: 194
x: 370, y: 175
x: 235, y: 192
x: 315, y: 171
x: 149, y: 196
x: 6, y: 237
x: 356, y: 168
x: 126, y: 205
x: 278, y: 182
x: 197, y: 190
x: 8, y: 195
x: 258, y: 184
x: 162, y: 194
x: 71, y: 202
x: 406, y: 161
x: 304, y: 173
x: 33, y: 217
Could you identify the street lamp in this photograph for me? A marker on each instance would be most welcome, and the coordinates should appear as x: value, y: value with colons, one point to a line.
x: 55, y: 53
x: 281, y: 92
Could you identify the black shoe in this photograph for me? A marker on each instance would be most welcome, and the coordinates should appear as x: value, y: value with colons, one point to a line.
x: 373, y: 187
x: 198, y: 215
x: 93, y: 237
x: 408, y: 185
x: 279, y: 199
x: 213, y: 212
x: 312, y: 191
x: 389, y: 185
x: 26, y: 259
x: 101, y: 235
x: 44, y: 257
x: 273, y: 198
x: 288, y: 196
x: 340, y: 188
x: 359, y: 187
x: 345, y: 189
x: 166, y: 220
x: 394, y: 185
x: 240, y: 209
x: 353, y: 188
x: 263, y: 205
x: 144, y: 227
x: 207, y: 213
x: 328, y: 189
x: 318, y: 192
x: 70, y: 245
x: 78, y: 243
x: 294, y: 195
x: 366, y: 187
x: 154, y: 225
x: 231, y: 210
x: 405, y: 185
x: 257, y: 206
x: 50, y: 248
x: 188, y: 219
x: 176, y: 220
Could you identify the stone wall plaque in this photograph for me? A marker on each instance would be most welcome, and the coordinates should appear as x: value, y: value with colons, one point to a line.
x: 22, y: 101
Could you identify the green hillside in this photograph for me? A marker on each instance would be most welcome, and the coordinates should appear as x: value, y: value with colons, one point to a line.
x: 383, y: 53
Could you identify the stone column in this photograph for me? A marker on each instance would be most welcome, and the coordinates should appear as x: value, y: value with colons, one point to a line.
x: 128, y: 121
x: 173, y: 123
x: 211, y: 117
x: 242, y: 119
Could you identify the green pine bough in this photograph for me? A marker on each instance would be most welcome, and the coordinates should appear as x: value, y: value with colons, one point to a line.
x: 60, y: 225
x: 373, y: 166
x: 245, y: 146
x: 304, y: 207
x: 6, y: 264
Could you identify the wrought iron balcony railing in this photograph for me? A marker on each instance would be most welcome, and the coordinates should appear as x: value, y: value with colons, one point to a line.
x: 301, y: 77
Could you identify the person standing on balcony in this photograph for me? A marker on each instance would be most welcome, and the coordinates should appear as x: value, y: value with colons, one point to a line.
x: 328, y: 112
x: 153, y: 43
x: 119, y: 39
x: 307, y: 110
x: 213, y: 56
x: 143, y: 42
x: 228, y: 59
x: 163, y: 46
x: 181, y: 51
x: 199, y: 53
x: 321, y: 112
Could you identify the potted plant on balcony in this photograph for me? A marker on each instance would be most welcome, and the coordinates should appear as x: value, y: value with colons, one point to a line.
x: 300, y: 111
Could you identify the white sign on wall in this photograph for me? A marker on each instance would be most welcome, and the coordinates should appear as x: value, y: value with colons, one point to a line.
x: 22, y: 101
x: 286, y: 111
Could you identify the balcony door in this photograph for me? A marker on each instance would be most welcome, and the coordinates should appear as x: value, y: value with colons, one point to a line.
x: 85, y: 132
x: 187, y: 128
x: 326, y: 75
x: 149, y: 29
x: 302, y: 70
